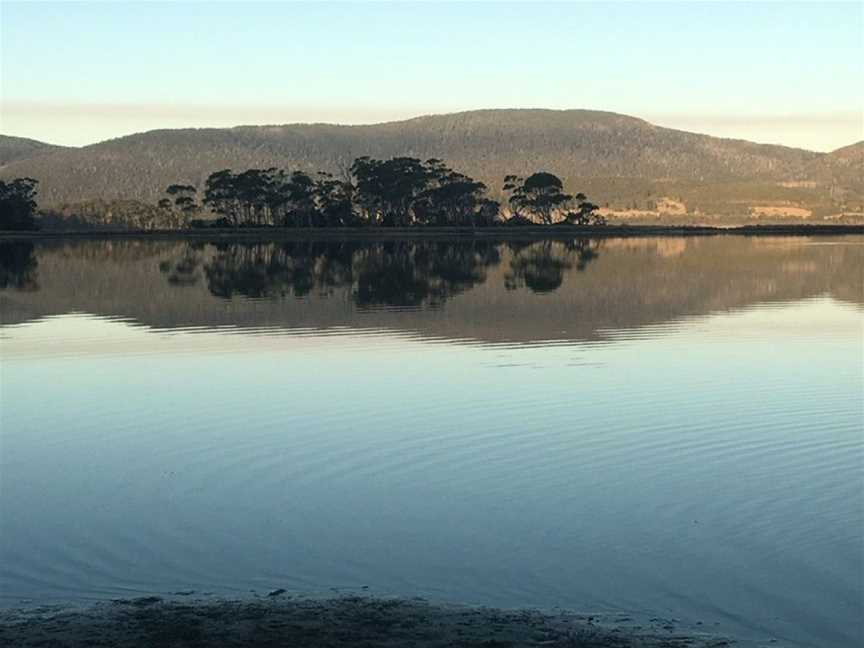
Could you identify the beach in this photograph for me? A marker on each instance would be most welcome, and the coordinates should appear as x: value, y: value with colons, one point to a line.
x: 279, y: 619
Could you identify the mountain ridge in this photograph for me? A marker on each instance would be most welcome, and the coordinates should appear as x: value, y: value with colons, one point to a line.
x: 13, y: 148
x: 857, y: 146
x: 619, y: 158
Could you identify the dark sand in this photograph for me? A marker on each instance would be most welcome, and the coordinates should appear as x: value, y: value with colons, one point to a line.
x: 281, y: 620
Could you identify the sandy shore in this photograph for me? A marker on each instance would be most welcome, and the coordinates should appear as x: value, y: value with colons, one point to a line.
x: 281, y: 620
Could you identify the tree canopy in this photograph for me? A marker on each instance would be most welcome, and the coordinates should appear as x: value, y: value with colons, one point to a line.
x: 399, y: 192
x: 540, y: 194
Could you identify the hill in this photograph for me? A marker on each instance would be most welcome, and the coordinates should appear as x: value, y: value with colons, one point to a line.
x: 618, y: 160
x: 842, y: 167
x: 14, y: 149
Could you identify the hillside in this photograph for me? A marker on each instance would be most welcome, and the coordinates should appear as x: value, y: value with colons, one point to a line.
x: 14, y: 149
x: 844, y: 166
x: 623, y: 161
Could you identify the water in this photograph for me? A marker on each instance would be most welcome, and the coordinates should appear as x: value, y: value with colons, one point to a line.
x: 662, y: 427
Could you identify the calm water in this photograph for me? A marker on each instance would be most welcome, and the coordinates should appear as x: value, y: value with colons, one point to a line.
x: 666, y: 427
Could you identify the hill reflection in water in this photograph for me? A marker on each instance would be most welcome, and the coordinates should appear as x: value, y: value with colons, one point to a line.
x: 481, y: 290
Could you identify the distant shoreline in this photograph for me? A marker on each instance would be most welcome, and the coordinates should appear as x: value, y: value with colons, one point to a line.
x: 390, y: 233
x: 278, y: 619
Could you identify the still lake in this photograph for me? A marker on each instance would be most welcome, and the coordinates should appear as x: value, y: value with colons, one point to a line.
x: 658, y: 426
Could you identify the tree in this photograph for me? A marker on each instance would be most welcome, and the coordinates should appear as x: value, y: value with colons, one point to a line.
x: 181, y: 206
x: 405, y: 191
x: 387, y: 189
x: 300, y: 194
x: 488, y: 212
x: 453, y: 202
x: 220, y: 195
x: 540, y: 194
x: 18, y: 204
x: 333, y: 199
x: 451, y: 198
x: 586, y: 213
x: 251, y: 190
x: 275, y: 197
x: 251, y: 197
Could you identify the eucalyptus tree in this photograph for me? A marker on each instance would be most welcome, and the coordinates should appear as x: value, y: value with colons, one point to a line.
x: 18, y: 204
x: 185, y: 197
x: 387, y: 189
x: 541, y: 195
x: 586, y: 212
x: 333, y: 199
x: 181, y: 205
x: 221, y: 195
x: 251, y: 189
x: 488, y: 213
x: 451, y: 198
x: 300, y: 191
x: 276, y: 196
x: 263, y: 197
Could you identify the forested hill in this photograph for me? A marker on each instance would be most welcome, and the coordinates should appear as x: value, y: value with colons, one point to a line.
x: 844, y: 167
x: 611, y: 156
x: 14, y: 149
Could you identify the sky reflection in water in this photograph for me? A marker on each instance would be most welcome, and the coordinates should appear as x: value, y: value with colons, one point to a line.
x: 654, y: 432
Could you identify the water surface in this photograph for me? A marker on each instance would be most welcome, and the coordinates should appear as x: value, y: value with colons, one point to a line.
x: 663, y: 427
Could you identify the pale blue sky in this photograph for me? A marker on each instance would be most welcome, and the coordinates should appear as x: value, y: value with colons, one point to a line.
x: 76, y: 73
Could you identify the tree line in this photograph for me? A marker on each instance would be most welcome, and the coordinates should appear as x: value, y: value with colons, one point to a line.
x: 399, y: 192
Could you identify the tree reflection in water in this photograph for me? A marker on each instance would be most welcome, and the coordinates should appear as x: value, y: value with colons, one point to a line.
x: 18, y: 266
x: 541, y: 266
x: 392, y: 273
x: 411, y: 274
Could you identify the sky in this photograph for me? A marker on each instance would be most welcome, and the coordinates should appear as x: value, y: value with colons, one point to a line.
x: 781, y: 72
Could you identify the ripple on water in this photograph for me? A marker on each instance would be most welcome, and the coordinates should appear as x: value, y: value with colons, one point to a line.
x: 697, y: 464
